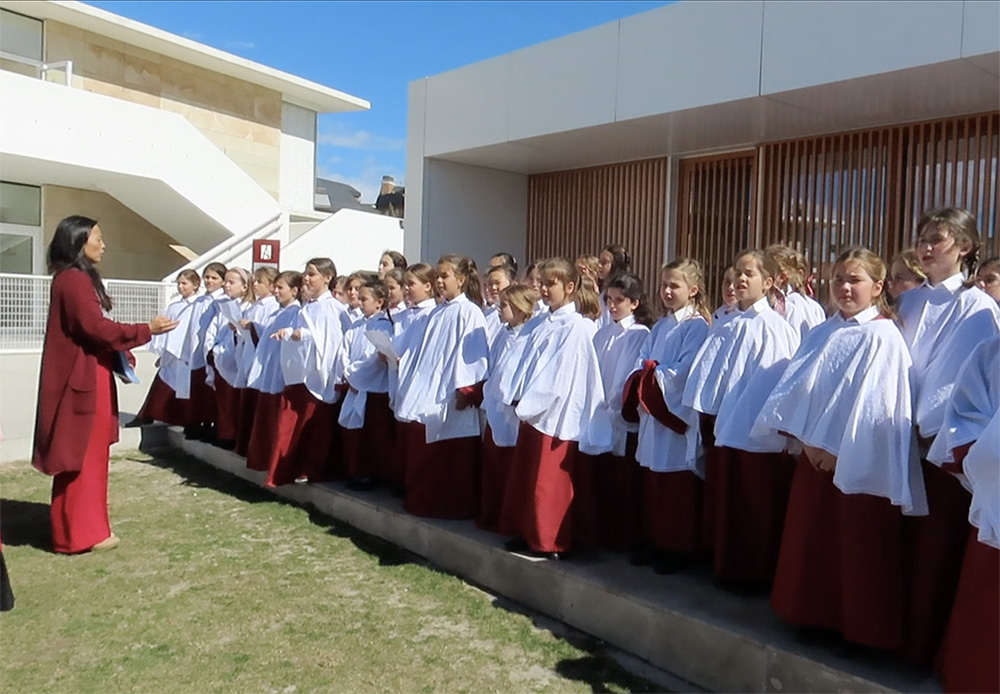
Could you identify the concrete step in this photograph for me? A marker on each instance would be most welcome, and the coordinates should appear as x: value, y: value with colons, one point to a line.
x: 680, y: 624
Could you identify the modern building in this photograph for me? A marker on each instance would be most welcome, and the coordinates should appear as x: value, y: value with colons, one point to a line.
x: 176, y: 147
x: 704, y: 127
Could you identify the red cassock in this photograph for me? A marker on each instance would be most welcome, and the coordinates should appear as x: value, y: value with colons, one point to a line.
x: 265, y: 440
x: 77, y: 402
x: 538, y: 504
x: 967, y: 661
x: 933, y: 549
x: 248, y: 410
x: 305, y: 427
x: 163, y: 405
x: 497, y: 461
x: 607, y: 499
x: 747, y: 495
x: 368, y: 451
x: 840, y: 565
x: 442, y: 478
x: 227, y: 401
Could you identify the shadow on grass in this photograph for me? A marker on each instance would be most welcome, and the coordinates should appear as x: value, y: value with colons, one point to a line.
x: 26, y: 523
x: 196, y: 473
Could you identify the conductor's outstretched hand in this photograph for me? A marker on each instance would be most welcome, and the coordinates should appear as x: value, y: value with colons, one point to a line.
x: 162, y: 324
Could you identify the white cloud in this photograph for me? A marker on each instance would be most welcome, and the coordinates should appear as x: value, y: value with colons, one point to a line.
x: 360, y: 139
x: 240, y: 45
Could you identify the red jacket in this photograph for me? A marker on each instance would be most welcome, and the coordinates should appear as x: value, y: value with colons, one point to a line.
x: 76, y: 336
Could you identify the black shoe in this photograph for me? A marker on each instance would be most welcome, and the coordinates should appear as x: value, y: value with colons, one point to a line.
x: 671, y: 562
x: 516, y: 544
x: 398, y: 490
x: 224, y: 444
x: 207, y: 434
x: 644, y: 557
x: 361, y: 484
x: 137, y: 422
x: 192, y: 432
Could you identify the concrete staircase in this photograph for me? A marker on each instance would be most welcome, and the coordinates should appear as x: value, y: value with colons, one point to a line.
x: 680, y: 624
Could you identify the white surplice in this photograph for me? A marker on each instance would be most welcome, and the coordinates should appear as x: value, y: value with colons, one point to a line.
x: 362, y: 370
x: 174, y: 370
x: 451, y: 353
x: 313, y: 359
x: 982, y: 470
x: 261, y: 314
x: 673, y: 343
x: 505, y: 354
x: 617, y: 345
x: 557, y: 387
x: 414, y: 317
x: 221, y: 340
x: 940, y: 324
x: 494, y: 324
x: 802, y: 312
x: 265, y: 373
x: 847, y: 391
x: 733, y: 376
x: 203, y: 311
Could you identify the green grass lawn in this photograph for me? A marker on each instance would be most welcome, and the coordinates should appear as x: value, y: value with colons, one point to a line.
x: 220, y: 587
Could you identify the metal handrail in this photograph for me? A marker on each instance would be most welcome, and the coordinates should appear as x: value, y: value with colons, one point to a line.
x: 222, y: 247
x: 42, y: 67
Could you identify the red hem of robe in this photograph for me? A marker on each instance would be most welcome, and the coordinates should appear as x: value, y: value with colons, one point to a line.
x: 672, y: 510
x: 163, y: 405
x: 264, y: 432
x: 443, y: 478
x: 497, y: 462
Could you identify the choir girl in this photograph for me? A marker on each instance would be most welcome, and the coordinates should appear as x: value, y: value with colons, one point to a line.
x: 395, y: 303
x: 203, y: 312
x: 220, y: 339
x: 420, y: 293
x: 905, y: 273
x: 168, y: 399
x: 746, y: 478
x: 390, y: 260
x: 531, y: 276
x: 970, y: 437
x: 254, y: 328
x: 801, y: 311
x: 988, y: 277
x: 367, y: 427
x: 588, y: 266
x: 728, y: 308
x: 845, y: 397
x: 606, y: 487
x: 612, y: 260
x: 941, y: 318
x: 498, y: 278
x: 309, y: 355
x: 504, y: 259
x: 557, y: 394
x: 352, y: 285
x: 670, y: 447
x: 266, y: 376
x: 516, y: 306
x: 339, y: 290
x: 440, y: 366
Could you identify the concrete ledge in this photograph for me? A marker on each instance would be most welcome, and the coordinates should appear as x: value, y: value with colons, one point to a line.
x: 679, y: 624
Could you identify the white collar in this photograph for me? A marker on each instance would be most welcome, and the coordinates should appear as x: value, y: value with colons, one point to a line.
x: 325, y: 296
x: 862, y: 317
x: 952, y: 284
x: 563, y: 310
x: 426, y: 303
x: 758, y: 306
x: 458, y: 299
x: 683, y: 314
x: 219, y: 293
x: 626, y: 322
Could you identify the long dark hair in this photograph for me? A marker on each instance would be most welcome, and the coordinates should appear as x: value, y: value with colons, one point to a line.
x: 66, y: 251
x: 632, y: 287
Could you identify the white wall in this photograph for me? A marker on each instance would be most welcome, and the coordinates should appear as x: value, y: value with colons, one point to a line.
x: 353, y: 239
x: 472, y: 211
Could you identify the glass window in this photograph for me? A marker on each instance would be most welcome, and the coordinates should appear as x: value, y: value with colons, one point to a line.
x: 20, y: 204
x: 20, y: 35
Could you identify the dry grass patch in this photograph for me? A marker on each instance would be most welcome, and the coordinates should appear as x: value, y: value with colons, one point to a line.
x: 220, y: 587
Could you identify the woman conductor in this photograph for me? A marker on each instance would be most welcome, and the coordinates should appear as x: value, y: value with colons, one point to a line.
x: 77, y: 417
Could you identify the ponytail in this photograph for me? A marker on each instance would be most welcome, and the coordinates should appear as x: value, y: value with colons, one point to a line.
x: 466, y: 267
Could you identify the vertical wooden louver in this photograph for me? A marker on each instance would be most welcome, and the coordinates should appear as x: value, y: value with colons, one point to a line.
x: 823, y: 194
x: 716, y: 211
x: 573, y: 213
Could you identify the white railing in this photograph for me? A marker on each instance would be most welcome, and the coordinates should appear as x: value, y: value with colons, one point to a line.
x: 42, y: 69
x: 25, y: 301
x: 225, y: 251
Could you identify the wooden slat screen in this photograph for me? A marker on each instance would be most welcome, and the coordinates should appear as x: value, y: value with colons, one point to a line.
x: 574, y: 213
x: 823, y: 194
x: 716, y: 212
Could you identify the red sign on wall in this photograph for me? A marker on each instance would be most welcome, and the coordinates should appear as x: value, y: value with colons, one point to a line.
x: 266, y: 253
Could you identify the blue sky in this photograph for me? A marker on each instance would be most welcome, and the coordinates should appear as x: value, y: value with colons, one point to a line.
x: 371, y: 50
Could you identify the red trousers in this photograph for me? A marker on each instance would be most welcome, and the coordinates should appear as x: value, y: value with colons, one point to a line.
x: 538, y: 503
x: 841, y: 562
x: 79, y: 508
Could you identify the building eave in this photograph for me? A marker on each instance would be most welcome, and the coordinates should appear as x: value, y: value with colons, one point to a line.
x: 295, y: 90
